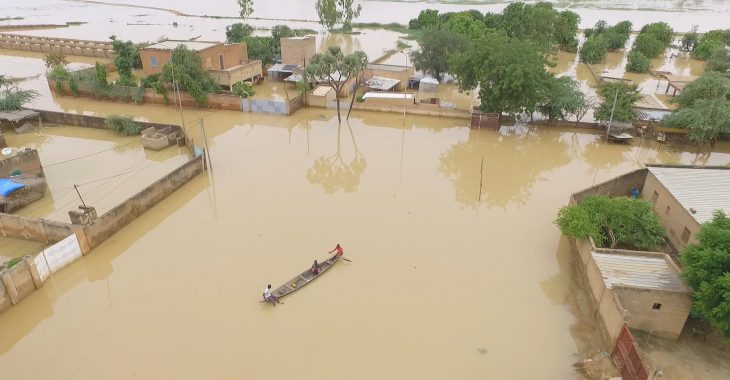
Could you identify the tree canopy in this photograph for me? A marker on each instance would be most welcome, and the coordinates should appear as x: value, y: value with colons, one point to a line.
x: 626, y: 95
x: 653, y: 39
x: 616, y: 35
x: 186, y: 69
x: 613, y: 222
x: 435, y: 48
x: 333, y: 12
x: 127, y: 58
x: 636, y: 62
x: 237, y: 32
x: 509, y: 72
x: 594, y: 49
x: 719, y: 61
x: 12, y: 97
x: 563, y: 98
x: 246, y: 8
x: 708, y: 43
x: 707, y: 270
x: 703, y: 108
x: 336, y: 69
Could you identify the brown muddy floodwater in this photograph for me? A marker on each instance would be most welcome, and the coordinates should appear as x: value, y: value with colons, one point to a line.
x: 444, y: 283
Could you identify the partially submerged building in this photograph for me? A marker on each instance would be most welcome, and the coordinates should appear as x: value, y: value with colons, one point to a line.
x: 227, y: 63
x: 22, y: 180
x: 395, y: 76
x: 297, y: 51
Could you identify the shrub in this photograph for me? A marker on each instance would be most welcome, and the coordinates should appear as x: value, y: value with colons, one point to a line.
x: 122, y: 124
x: 55, y: 59
x: 360, y: 98
x: 138, y: 96
x: 661, y: 31
x: 100, y: 75
x: 13, y: 262
x: 243, y: 89
x: 648, y: 45
x: 637, y: 63
x: 74, y: 86
x: 594, y: 50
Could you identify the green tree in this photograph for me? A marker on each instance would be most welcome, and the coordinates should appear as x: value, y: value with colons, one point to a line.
x: 719, y: 61
x: 127, y: 55
x: 428, y: 18
x: 186, y: 70
x: 347, y: 10
x: 12, y: 97
x: 536, y: 23
x: 708, y: 43
x: 594, y: 49
x: 703, y: 108
x: 435, y: 48
x: 616, y: 35
x: 261, y: 48
x: 661, y: 31
x: 55, y: 59
x: 463, y: 23
x: 100, y: 75
x: 509, y: 72
x: 563, y: 98
x: 355, y: 63
x: 277, y: 33
x: 637, y: 63
x: 690, y: 39
x: 613, y: 222
x: 246, y: 8
x: 327, y: 13
x: 243, y: 89
x: 335, y: 69
x: 238, y: 32
x: 648, y: 45
x: 707, y: 270
x: 566, y: 29
x: 626, y: 96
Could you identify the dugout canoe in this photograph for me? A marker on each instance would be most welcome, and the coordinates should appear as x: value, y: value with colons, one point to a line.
x: 304, y: 278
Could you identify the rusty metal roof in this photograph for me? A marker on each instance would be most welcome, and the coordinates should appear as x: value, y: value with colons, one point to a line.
x: 638, y: 271
x: 701, y: 191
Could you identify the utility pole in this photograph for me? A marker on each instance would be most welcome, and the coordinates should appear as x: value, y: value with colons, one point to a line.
x: 179, y: 100
x: 76, y: 187
x: 610, y: 119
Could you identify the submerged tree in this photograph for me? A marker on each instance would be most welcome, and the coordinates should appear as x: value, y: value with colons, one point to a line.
x: 237, y: 32
x: 624, y: 221
x: 707, y: 270
x: 719, y: 61
x: 336, y: 69
x: 246, y: 8
x: 186, y: 70
x: 127, y: 58
x: 12, y: 97
x: 435, y: 48
x: 563, y: 97
x: 356, y: 63
x: 332, y: 12
x: 626, y: 95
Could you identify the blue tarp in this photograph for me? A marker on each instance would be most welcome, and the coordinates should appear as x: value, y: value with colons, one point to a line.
x: 7, y: 186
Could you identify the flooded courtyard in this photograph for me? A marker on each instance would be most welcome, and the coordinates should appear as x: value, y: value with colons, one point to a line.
x: 457, y: 268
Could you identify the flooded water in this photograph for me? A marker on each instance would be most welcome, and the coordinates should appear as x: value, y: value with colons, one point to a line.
x: 445, y: 282
x: 10, y: 247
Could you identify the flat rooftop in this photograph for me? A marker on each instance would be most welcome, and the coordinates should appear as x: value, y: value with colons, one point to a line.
x: 634, y: 271
x: 191, y: 45
x: 701, y: 191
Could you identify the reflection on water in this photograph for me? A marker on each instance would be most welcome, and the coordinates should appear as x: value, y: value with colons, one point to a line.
x: 333, y: 172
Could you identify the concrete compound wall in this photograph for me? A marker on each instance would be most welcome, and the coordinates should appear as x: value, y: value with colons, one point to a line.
x: 276, y: 107
x: 619, y: 186
x: 28, y: 161
x: 399, y: 106
x: 126, y: 212
x: 66, y: 46
x: 40, y: 230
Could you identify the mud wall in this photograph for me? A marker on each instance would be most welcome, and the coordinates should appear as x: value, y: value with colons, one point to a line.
x: 28, y: 161
x: 18, y: 282
x: 619, y: 186
x: 66, y: 46
x: 126, y: 212
x: 40, y: 230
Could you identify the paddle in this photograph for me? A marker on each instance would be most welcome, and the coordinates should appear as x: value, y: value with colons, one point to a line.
x: 348, y: 260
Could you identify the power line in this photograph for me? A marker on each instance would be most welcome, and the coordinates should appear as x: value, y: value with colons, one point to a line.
x: 91, y: 154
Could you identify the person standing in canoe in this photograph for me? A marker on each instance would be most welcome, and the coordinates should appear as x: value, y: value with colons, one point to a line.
x: 270, y: 297
x: 338, y: 250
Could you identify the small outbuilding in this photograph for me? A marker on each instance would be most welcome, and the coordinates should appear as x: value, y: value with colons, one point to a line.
x: 382, y: 84
x: 428, y: 84
x: 321, y: 96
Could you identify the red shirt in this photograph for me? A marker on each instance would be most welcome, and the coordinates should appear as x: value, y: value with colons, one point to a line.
x: 339, y: 251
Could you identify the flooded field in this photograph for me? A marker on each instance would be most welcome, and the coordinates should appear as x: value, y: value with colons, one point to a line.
x: 444, y: 282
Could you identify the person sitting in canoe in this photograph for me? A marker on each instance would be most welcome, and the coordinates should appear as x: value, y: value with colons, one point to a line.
x: 316, y: 268
x: 338, y: 249
x: 270, y: 297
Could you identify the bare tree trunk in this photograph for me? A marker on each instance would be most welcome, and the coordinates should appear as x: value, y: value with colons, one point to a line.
x: 352, y: 101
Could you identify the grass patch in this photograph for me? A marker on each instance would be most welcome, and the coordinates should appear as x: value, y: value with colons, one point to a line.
x: 13, y: 262
x: 123, y: 125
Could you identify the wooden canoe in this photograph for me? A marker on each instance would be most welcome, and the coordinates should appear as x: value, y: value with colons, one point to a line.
x: 303, y: 279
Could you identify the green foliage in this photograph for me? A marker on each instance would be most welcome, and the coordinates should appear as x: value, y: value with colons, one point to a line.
x: 186, y: 69
x: 637, y: 63
x: 463, y: 23
x: 12, y: 97
x: 59, y: 73
x: 347, y: 10
x: 127, y: 58
x: 703, y: 108
x: 360, y: 98
x: 661, y: 31
x: 100, y: 75
x: 123, y: 125
x: 435, y: 48
x: 55, y: 59
x: 594, y: 50
x: 628, y: 94
x: 303, y: 86
x: 566, y: 29
x: 510, y: 73
x: 335, y: 68
x: 261, y: 48
x: 613, y: 222
x: 719, y: 61
x: 327, y: 13
x: 708, y: 43
x: 277, y: 33
x: 690, y: 39
x: 243, y: 89
x: 563, y: 97
x: 616, y: 35
x: 59, y: 87
x: 13, y: 262
x: 246, y: 8
x: 138, y: 96
x: 73, y: 85
x: 237, y: 32
x: 707, y: 270
x: 428, y: 18
x: 648, y: 45
x: 148, y: 82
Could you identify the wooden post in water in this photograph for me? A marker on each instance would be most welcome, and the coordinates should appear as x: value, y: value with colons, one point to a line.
x: 481, y: 178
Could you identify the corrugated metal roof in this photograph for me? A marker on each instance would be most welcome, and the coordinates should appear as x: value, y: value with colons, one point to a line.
x: 638, y: 272
x: 698, y: 189
x: 381, y: 83
x: 191, y: 45
x: 321, y: 91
